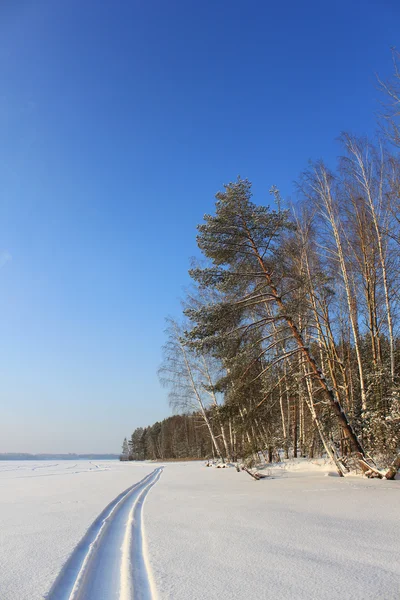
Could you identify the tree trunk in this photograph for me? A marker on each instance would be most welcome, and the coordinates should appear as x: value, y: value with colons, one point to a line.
x: 295, y: 413
x: 201, y: 405
x: 324, y: 192
x: 214, y: 400
x: 366, y: 183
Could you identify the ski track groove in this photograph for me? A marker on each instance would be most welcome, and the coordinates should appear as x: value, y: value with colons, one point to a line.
x: 111, y: 562
x: 59, y: 474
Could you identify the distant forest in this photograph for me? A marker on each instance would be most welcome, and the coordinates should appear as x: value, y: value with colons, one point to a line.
x: 26, y: 456
x: 179, y: 436
x: 289, y: 340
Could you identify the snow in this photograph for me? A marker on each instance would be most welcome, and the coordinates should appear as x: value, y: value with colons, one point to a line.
x: 216, y: 533
x: 188, y: 532
x: 45, y: 510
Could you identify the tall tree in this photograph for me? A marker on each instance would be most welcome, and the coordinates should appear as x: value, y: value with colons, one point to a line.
x: 125, y: 450
x: 242, y: 241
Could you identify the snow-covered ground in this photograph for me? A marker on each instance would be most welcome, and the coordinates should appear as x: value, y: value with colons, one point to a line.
x: 216, y: 533
x: 45, y: 510
x: 192, y: 532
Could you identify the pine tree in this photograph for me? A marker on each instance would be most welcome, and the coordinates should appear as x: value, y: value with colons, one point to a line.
x: 125, y: 450
x: 244, y: 244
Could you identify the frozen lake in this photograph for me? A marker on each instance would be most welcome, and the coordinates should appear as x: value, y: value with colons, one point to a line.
x: 132, y: 530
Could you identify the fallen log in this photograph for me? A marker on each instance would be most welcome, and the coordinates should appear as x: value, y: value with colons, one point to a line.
x: 255, y: 475
x: 369, y: 470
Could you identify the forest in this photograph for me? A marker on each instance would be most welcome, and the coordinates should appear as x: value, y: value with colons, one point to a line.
x: 289, y: 341
x: 177, y: 437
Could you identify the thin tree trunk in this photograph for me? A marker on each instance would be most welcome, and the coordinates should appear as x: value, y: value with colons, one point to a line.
x: 200, y: 402
x: 325, y: 195
x: 214, y: 399
x: 331, y: 452
x: 367, y: 187
x: 295, y: 413
x: 285, y: 440
x: 233, y: 448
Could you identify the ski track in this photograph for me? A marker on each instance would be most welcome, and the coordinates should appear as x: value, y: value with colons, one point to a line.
x: 19, y: 468
x: 94, y: 467
x: 111, y: 562
x: 67, y: 471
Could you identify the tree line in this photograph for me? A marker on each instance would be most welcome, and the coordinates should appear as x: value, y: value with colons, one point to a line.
x: 177, y: 437
x: 289, y: 338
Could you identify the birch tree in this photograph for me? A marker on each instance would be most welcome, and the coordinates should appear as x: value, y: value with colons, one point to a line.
x: 182, y: 373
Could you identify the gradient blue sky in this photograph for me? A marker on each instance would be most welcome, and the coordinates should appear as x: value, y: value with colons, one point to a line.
x: 118, y: 123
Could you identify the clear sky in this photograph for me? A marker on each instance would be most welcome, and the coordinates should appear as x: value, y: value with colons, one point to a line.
x: 119, y: 120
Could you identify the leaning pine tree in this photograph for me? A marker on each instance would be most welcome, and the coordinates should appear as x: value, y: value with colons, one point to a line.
x: 243, y: 243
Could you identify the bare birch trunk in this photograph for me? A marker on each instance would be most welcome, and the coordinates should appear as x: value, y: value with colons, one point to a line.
x: 200, y: 402
x: 214, y: 400
x: 366, y: 184
x: 331, y: 452
x: 324, y: 192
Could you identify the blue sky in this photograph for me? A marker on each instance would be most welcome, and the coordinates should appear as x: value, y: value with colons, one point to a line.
x: 118, y: 123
